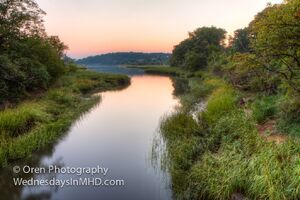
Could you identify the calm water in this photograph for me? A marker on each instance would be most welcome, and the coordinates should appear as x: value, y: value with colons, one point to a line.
x: 116, y: 134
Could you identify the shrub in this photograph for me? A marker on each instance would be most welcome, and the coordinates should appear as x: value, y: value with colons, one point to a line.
x: 246, y: 74
x: 37, y: 76
x: 72, y: 67
x: 12, y: 80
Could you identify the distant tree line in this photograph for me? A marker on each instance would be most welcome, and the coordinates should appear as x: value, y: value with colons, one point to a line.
x: 127, y: 58
x: 30, y: 60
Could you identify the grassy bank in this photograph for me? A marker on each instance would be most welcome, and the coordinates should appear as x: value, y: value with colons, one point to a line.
x: 158, y: 69
x: 232, y: 150
x: 35, y: 123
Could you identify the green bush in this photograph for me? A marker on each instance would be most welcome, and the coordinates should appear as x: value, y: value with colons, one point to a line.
x: 12, y: 80
x: 72, y: 67
x: 246, y: 74
x: 37, y: 76
x: 47, y: 51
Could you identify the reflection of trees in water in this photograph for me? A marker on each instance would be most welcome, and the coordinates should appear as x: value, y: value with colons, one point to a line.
x: 11, y: 192
x: 43, y: 192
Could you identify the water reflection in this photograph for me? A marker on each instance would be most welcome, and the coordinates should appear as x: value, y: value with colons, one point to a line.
x: 116, y: 134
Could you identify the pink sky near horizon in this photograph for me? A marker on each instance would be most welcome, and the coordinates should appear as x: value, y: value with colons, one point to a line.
x: 93, y: 27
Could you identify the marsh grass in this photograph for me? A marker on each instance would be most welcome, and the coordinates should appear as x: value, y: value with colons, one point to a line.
x: 264, y: 108
x: 224, y: 154
x: 220, y: 102
x: 160, y: 70
x: 14, y: 122
x: 34, y: 124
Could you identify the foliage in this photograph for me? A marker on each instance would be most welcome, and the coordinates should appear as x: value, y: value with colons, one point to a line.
x: 289, y: 115
x: 264, y: 108
x: 37, y: 123
x: 12, y: 80
x: 246, y: 74
x: 275, y: 37
x: 181, y: 85
x: 240, y: 41
x: 194, y: 52
x: 30, y: 60
x: 127, y: 58
x: 225, y: 156
x: 19, y: 19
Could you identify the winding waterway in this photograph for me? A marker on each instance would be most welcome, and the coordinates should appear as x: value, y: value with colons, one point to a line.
x: 116, y: 134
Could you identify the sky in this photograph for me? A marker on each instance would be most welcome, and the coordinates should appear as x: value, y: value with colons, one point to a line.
x: 91, y: 27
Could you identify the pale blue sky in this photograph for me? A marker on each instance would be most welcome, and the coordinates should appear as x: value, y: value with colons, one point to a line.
x: 100, y: 26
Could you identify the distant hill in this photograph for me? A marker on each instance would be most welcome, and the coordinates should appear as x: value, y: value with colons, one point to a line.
x: 126, y: 58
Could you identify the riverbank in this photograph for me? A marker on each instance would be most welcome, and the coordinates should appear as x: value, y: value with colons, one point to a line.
x: 40, y: 121
x: 158, y: 69
x: 241, y: 145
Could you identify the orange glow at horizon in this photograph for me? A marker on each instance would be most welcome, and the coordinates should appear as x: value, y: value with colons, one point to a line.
x: 93, y: 27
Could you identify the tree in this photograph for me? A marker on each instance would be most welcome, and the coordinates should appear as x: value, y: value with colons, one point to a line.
x: 18, y: 19
x: 275, y: 40
x: 193, y: 53
x: 194, y: 60
x: 240, y: 41
x: 179, y: 53
x: 246, y: 74
x: 29, y: 59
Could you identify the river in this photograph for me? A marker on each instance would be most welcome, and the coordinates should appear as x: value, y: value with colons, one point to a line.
x: 117, y: 134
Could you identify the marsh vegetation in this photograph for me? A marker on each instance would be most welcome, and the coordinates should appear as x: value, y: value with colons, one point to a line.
x: 245, y: 143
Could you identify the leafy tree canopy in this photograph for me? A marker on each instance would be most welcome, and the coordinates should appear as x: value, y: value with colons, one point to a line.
x: 194, y: 52
x: 240, y: 41
x: 29, y: 58
x: 275, y: 40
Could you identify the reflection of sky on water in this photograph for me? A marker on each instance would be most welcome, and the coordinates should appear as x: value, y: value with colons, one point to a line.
x: 117, y: 134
